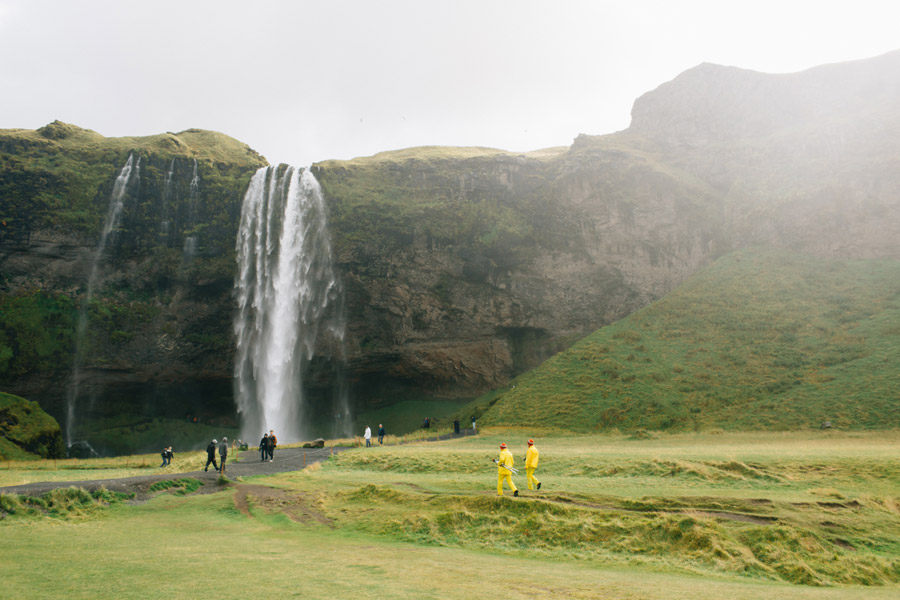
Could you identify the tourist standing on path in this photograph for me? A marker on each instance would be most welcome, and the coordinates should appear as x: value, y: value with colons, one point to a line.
x: 456, y: 426
x: 273, y: 441
x: 223, y: 454
x: 504, y: 471
x: 264, y: 448
x: 473, y: 423
x: 211, y: 456
x: 368, y: 436
x: 381, y: 434
x: 531, y: 463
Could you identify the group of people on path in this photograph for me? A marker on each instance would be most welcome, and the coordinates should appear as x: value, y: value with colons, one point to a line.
x: 167, y: 457
x: 267, y: 446
x: 505, y: 469
x: 367, y: 435
x: 211, y: 455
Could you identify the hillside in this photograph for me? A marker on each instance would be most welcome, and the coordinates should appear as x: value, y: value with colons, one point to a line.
x: 460, y: 268
x: 758, y: 340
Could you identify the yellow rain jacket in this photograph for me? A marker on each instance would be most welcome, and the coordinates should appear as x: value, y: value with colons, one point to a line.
x: 531, y: 458
x: 506, y: 458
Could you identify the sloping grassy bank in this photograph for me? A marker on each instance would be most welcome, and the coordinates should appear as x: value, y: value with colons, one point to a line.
x: 758, y: 340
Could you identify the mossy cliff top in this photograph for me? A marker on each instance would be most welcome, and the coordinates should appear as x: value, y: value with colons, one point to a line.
x: 193, y: 143
x: 59, y: 178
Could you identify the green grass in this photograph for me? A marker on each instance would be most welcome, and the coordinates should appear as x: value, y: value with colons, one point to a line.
x: 21, y: 472
x: 764, y: 515
x: 758, y: 340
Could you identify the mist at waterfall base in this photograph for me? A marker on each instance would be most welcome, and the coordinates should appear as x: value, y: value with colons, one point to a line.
x: 289, y: 304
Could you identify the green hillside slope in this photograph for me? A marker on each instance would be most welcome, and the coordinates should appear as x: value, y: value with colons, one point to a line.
x: 759, y: 339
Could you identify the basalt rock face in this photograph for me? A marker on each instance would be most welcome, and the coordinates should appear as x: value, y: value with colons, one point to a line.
x: 809, y: 161
x: 157, y: 323
x: 462, y: 270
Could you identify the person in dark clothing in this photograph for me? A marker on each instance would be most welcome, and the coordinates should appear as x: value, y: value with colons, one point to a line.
x: 426, y: 423
x: 456, y: 426
x: 381, y: 434
x: 167, y: 457
x: 273, y: 441
x: 211, y: 456
x: 264, y: 447
x: 223, y: 454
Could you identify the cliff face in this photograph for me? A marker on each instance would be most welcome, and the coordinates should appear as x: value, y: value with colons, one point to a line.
x: 460, y: 267
x: 462, y: 270
x: 157, y: 321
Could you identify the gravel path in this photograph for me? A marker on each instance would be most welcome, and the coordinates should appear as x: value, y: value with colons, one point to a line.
x: 248, y: 463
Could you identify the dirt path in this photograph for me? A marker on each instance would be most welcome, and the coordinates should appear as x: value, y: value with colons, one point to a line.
x: 248, y: 464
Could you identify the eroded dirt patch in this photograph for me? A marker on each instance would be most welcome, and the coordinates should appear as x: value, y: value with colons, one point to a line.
x: 298, y: 506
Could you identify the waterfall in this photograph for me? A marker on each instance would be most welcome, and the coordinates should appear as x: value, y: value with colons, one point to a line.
x: 116, y: 202
x: 190, y: 242
x: 284, y: 284
x: 167, y: 192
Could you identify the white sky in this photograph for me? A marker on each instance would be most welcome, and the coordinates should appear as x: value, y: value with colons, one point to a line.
x: 303, y: 81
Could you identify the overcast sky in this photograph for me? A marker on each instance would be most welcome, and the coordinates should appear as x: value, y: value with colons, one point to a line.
x: 303, y: 81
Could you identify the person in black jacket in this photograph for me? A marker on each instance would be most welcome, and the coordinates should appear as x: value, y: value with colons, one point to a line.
x: 211, y: 456
x: 381, y: 434
x: 264, y: 447
x: 167, y: 457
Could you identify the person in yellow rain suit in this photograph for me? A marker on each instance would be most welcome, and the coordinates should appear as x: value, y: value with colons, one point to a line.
x: 505, y: 460
x: 531, y: 463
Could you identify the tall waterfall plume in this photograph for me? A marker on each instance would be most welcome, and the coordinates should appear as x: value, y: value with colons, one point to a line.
x: 285, y: 287
x: 116, y: 203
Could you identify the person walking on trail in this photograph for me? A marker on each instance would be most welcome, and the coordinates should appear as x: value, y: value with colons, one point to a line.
x: 456, y: 426
x: 264, y: 448
x: 223, y: 454
x: 473, y: 424
x: 211, y: 456
x: 167, y: 457
x: 380, y: 434
x: 273, y: 441
x: 531, y: 463
x: 504, y: 472
x: 368, y: 436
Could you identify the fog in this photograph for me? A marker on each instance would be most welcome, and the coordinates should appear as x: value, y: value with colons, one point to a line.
x: 307, y: 81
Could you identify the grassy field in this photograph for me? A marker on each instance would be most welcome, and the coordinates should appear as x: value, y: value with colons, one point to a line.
x: 770, y: 515
x: 816, y: 341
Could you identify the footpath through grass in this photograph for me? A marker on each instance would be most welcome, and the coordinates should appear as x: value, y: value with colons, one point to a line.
x: 775, y: 515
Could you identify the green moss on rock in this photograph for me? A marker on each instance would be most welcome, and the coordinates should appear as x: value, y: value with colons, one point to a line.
x: 24, y: 424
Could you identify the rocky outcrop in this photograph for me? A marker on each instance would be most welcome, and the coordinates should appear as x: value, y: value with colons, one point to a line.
x: 25, y: 425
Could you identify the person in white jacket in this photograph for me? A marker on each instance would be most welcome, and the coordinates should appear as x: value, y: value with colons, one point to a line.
x: 368, y: 436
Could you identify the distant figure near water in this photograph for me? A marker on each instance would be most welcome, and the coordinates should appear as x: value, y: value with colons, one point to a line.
x: 264, y: 448
x: 368, y: 436
x: 272, y: 442
x: 223, y: 454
